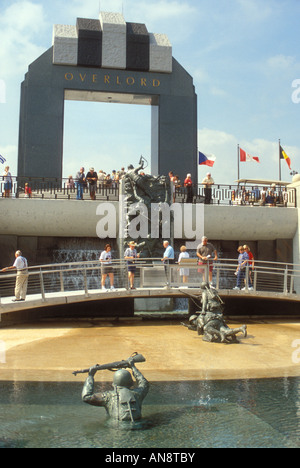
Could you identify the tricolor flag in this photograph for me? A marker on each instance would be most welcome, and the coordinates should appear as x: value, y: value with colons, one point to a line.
x: 206, y: 159
x: 2, y: 159
x: 283, y: 155
x: 245, y: 157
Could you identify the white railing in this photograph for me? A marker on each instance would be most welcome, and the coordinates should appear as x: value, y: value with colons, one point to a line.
x: 86, y: 277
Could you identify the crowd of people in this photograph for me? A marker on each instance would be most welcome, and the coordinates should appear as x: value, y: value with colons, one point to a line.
x: 93, y: 181
x: 206, y: 256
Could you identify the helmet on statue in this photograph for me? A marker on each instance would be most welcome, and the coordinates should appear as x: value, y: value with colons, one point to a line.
x: 122, y: 378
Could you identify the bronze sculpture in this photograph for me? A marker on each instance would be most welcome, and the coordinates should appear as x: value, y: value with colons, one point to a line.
x: 210, y: 322
x: 123, y: 403
x: 146, y: 190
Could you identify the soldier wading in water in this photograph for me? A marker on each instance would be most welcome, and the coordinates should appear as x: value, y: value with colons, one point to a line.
x: 123, y: 403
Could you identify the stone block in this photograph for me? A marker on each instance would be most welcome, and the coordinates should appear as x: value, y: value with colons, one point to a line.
x: 160, y: 53
x: 89, y: 42
x: 65, y: 45
x: 113, y: 40
x: 138, y: 47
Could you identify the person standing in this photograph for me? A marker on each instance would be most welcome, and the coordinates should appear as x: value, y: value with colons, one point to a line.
x: 207, y: 254
x: 208, y: 182
x: 251, y: 265
x: 21, y: 265
x: 188, y: 184
x: 7, y: 182
x: 80, y: 183
x: 241, y: 269
x: 107, y: 269
x: 130, y: 255
x: 92, y: 180
x: 168, y: 258
x: 184, y: 272
x: 28, y: 191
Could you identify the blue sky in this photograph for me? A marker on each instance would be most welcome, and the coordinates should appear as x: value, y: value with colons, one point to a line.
x: 242, y: 54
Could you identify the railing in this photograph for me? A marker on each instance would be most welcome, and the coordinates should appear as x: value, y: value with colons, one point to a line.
x: 44, y: 188
x: 85, y: 277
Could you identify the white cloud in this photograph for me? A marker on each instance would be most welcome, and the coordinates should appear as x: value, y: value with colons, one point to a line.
x: 20, y: 23
x: 257, y: 10
x: 281, y: 62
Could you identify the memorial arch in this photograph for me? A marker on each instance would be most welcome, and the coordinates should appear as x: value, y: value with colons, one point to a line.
x: 107, y: 60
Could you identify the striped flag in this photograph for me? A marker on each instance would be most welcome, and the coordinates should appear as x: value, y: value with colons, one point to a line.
x: 283, y: 155
x: 206, y: 159
x: 2, y: 159
x: 245, y: 157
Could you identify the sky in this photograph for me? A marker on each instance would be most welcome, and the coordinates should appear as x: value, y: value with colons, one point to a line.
x: 243, y: 56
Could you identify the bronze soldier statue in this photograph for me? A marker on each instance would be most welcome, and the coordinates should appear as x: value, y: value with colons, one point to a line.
x: 123, y: 403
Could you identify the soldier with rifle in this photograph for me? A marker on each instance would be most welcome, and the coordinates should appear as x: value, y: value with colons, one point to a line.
x: 123, y: 403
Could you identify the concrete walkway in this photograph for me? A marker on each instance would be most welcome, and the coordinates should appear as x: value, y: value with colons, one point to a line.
x: 51, y: 351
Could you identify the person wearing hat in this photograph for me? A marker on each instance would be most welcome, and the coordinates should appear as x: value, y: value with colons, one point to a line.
x: 130, y: 255
x: 208, y: 182
x: 123, y: 403
x: 92, y: 179
x: 80, y: 183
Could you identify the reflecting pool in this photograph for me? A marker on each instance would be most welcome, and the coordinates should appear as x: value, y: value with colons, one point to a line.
x: 223, y: 413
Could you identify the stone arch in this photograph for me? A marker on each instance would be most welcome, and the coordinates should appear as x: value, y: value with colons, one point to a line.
x: 106, y: 60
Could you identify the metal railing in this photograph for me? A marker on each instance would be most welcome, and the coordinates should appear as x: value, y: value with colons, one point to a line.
x: 85, y: 277
x: 44, y: 188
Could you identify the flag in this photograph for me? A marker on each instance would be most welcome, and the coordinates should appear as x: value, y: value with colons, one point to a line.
x: 206, y: 159
x: 245, y: 157
x: 2, y: 159
x: 283, y: 155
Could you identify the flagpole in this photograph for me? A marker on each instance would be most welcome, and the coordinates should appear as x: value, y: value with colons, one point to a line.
x: 238, y: 151
x: 279, y: 161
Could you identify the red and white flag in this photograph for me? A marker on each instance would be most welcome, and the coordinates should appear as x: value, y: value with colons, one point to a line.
x: 245, y: 157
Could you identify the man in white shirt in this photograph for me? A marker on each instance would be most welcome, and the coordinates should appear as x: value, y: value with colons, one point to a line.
x: 168, y: 258
x: 21, y: 265
x: 208, y: 182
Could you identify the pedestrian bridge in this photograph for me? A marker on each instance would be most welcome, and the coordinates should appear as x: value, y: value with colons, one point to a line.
x: 75, y: 288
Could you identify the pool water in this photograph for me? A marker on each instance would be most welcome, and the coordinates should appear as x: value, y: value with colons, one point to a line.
x: 233, y: 413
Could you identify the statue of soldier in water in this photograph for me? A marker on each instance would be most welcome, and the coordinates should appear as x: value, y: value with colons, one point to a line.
x: 123, y: 403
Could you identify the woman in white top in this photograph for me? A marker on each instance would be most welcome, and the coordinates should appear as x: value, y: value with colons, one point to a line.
x: 184, y: 272
x: 107, y: 269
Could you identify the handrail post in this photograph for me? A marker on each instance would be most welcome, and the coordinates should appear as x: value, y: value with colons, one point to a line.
x: 218, y: 276
x: 255, y: 280
x: 285, y: 285
x: 247, y: 277
x: 292, y: 284
x: 42, y: 285
x: 206, y: 272
x: 62, y: 286
x: 86, y: 292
